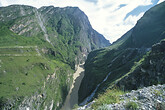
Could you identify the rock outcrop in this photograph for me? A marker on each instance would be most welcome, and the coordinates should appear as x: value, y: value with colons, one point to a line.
x: 147, y: 98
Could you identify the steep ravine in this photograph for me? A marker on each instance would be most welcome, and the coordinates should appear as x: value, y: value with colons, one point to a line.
x: 72, y: 97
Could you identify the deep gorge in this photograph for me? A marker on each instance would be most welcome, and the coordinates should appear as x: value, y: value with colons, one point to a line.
x: 52, y: 59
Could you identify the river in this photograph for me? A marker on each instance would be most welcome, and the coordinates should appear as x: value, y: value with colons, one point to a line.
x: 72, y: 97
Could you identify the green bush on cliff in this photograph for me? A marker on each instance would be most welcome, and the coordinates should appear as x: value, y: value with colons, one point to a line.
x: 109, y: 97
x: 131, y: 106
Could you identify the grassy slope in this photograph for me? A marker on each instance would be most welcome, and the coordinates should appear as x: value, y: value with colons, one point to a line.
x: 110, y: 96
x: 37, y: 61
x: 148, y: 71
x: 118, y: 62
x: 120, y: 56
x: 30, y: 70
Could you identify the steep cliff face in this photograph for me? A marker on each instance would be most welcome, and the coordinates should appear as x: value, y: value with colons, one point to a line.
x: 39, y: 49
x: 73, y: 22
x: 121, y: 55
x: 148, y: 71
x: 67, y: 29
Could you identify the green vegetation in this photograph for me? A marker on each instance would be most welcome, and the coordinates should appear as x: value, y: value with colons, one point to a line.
x: 32, y: 68
x: 108, y: 97
x: 27, y: 62
x: 157, y: 93
x: 8, y: 38
x: 30, y: 62
x: 75, y: 106
x: 137, y: 64
x: 100, y: 62
x: 19, y: 73
x: 131, y: 106
x: 124, y: 58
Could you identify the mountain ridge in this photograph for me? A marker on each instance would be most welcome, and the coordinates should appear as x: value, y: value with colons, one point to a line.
x: 40, y: 49
x: 121, y: 55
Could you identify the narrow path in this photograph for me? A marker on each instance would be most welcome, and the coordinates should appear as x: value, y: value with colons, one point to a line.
x: 19, y: 53
x: 72, y: 97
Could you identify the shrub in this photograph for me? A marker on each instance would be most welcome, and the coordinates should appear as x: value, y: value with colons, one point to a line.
x: 157, y: 92
x: 109, y: 97
x: 131, y: 106
x: 75, y: 106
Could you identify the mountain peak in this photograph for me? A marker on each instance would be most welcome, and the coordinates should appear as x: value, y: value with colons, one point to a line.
x: 43, y: 47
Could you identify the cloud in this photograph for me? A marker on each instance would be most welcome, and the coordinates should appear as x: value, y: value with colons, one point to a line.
x: 106, y: 16
x: 160, y: 1
x: 94, y: 1
x: 110, y: 20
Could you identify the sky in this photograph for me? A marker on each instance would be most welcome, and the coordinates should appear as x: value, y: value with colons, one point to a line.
x: 112, y: 18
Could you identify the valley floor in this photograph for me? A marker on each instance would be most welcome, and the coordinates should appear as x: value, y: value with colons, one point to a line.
x: 72, y: 97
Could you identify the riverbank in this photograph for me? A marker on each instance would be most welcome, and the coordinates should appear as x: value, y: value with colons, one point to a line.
x: 72, y: 97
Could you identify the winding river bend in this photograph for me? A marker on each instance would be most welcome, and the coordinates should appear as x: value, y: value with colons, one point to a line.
x: 72, y: 97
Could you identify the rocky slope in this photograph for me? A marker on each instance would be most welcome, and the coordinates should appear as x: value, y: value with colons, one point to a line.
x: 39, y: 50
x: 146, y: 72
x: 147, y: 98
x: 121, y: 56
